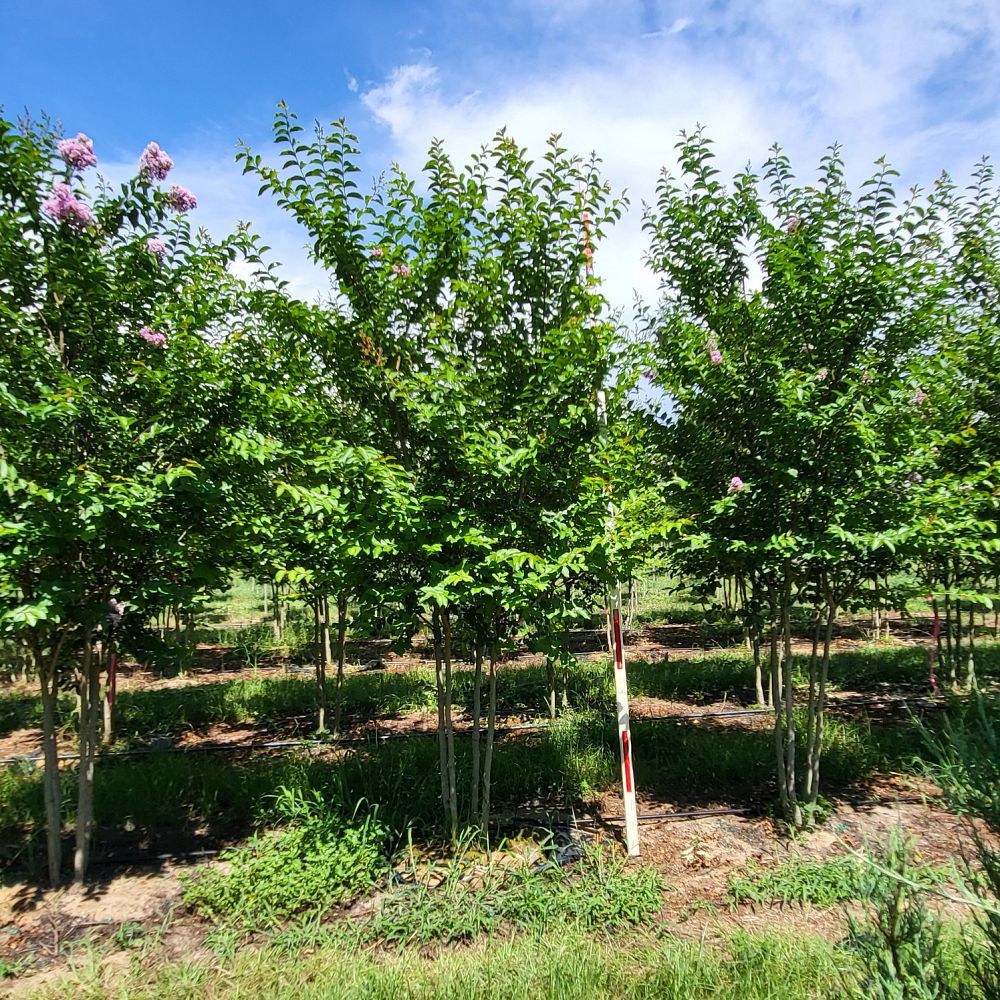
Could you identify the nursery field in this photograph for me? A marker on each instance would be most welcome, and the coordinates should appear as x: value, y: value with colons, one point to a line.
x: 216, y: 798
x: 452, y: 633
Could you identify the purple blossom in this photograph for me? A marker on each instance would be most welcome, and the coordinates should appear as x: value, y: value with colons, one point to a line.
x: 715, y: 355
x: 180, y: 199
x: 115, y: 611
x: 918, y: 397
x: 154, y: 163
x: 822, y: 374
x: 736, y: 485
x: 64, y: 207
x: 377, y: 252
x: 157, y: 248
x: 402, y: 270
x: 153, y: 337
x: 78, y: 152
x: 793, y: 225
x: 648, y: 374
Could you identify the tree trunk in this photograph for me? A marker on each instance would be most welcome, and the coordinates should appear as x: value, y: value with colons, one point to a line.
x: 275, y: 613
x: 550, y: 680
x: 325, y: 656
x: 758, y: 678
x: 338, y: 700
x: 110, y: 692
x: 491, y: 721
x: 795, y: 815
x: 439, y: 687
x: 815, y: 725
x: 450, y: 729
x: 779, y: 721
x: 477, y: 694
x: 970, y: 666
x: 90, y: 695
x: 48, y: 675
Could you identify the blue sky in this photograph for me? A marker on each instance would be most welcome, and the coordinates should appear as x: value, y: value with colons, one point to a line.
x: 913, y: 79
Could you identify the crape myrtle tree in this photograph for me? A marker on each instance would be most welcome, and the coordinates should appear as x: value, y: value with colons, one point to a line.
x: 959, y: 561
x: 481, y: 348
x: 120, y: 428
x: 797, y: 439
x: 330, y: 508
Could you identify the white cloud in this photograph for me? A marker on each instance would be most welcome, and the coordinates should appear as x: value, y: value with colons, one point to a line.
x: 756, y: 72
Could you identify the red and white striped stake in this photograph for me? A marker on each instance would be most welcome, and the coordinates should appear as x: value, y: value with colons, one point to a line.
x: 621, y: 683
x: 615, y: 618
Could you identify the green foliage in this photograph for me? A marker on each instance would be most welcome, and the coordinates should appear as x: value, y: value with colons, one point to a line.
x: 570, y: 965
x: 820, y: 882
x: 966, y: 759
x: 899, y: 940
x: 319, y: 859
x: 601, y: 891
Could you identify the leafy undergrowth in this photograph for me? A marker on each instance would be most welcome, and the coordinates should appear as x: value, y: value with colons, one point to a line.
x: 316, y: 862
x: 820, y: 882
x: 598, y: 891
x: 321, y: 859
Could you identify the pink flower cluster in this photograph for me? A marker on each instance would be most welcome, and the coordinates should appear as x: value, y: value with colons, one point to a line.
x: 377, y: 252
x: 156, y: 247
x: 180, y: 199
x: 714, y: 354
x: 736, y: 485
x: 78, y: 152
x: 64, y: 207
x: 153, y: 337
x: 154, y: 163
x: 822, y: 374
x: 919, y: 397
x: 402, y: 270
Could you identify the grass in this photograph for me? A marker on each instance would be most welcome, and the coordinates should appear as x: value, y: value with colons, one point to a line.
x: 824, y: 882
x: 228, y: 797
x: 566, y: 964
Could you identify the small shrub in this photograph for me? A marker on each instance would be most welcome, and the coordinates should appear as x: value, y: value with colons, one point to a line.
x: 899, y: 941
x: 600, y: 892
x: 818, y: 882
x: 319, y: 860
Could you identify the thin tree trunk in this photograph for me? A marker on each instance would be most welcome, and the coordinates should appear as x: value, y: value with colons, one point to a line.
x: 491, y: 722
x: 758, y: 678
x: 811, y: 709
x: 48, y: 675
x: 275, y: 612
x: 816, y: 725
x: 477, y: 694
x: 108, y: 701
x: 450, y: 728
x: 325, y: 656
x: 439, y: 687
x: 564, y: 700
x: 550, y: 680
x: 970, y: 666
x: 338, y: 698
x: 790, y: 743
x: 90, y: 694
x: 949, y: 653
x: 779, y: 723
